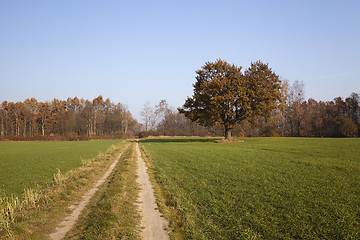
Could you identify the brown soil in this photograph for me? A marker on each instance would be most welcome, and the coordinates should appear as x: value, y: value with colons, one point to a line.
x: 153, y: 224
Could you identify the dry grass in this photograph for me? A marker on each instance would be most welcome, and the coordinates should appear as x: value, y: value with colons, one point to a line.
x: 33, y: 216
x: 112, y: 213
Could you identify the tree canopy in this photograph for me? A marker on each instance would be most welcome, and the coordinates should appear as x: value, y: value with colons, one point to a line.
x: 224, y: 95
x: 68, y: 118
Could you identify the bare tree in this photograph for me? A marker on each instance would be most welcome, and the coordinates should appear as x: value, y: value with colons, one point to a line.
x: 294, y: 111
x: 148, y: 116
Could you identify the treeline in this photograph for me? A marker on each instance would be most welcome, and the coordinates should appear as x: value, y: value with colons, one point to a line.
x: 78, y: 119
x: 311, y: 118
x: 296, y: 118
x: 73, y: 117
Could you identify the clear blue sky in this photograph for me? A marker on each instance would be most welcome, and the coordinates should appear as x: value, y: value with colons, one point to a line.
x: 138, y: 51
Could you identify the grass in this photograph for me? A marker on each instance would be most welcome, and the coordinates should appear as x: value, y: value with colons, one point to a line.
x: 33, y: 164
x: 38, y: 218
x: 263, y: 188
x: 112, y: 213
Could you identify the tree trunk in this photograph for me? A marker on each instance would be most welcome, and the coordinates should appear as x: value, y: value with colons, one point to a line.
x: 2, y: 127
x: 227, y: 133
x: 43, y: 119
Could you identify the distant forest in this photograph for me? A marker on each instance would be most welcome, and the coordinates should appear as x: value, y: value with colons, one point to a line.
x: 73, y: 118
x: 76, y: 118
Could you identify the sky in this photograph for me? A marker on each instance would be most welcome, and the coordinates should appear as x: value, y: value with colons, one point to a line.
x: 135, y: 52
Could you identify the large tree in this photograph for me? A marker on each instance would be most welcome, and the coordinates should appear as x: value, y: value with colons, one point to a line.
x: 223, y: 95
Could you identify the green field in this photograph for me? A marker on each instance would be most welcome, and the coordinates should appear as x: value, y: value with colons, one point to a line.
x: 263, y: 188
x: 32, y: 164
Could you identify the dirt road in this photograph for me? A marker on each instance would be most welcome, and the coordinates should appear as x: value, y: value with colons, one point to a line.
x: 153, y: 225
x: 70, y: 220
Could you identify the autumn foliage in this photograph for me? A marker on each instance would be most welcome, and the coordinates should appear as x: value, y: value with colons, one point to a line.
x: 307, y: 118
x: 73, y: 118
x: 225, y: 96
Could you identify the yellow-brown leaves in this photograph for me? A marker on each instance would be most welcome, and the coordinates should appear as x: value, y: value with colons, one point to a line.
x: 226, y: 96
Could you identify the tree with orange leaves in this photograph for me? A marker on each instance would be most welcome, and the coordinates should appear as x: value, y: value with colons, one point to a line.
x: 225, y: 96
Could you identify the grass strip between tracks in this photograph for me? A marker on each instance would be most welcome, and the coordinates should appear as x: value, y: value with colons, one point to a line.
x: 112, y: 213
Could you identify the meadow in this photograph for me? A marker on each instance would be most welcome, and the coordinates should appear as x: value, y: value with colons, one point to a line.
x: 33, y: 164
x: 262, y: 188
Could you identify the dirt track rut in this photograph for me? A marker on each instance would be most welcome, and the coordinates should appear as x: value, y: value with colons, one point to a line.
x: 70, y: 220
x: 153, y: 224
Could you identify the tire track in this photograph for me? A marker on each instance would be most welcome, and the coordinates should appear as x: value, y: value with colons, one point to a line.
x: 153, y: 224
x: 70, y: 220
